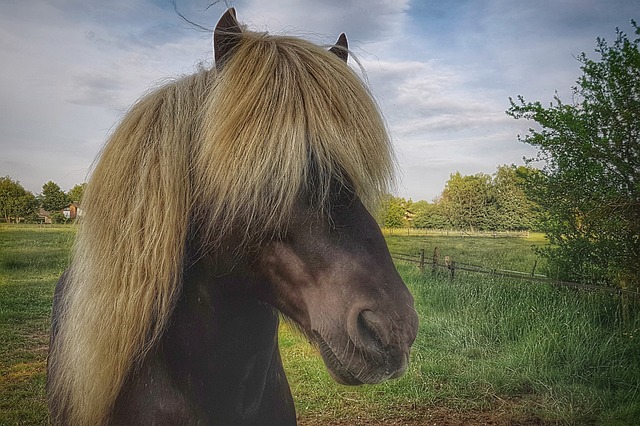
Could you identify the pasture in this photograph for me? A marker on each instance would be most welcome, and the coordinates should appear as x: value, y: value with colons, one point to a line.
x: 489, y: 350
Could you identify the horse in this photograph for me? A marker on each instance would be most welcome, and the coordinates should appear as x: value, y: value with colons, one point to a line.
x: 222, y: 201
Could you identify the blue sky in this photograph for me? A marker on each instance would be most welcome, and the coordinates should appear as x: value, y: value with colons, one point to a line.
x: 442, y: 71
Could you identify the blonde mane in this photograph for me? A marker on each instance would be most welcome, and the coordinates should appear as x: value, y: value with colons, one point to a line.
x: 214, y: 152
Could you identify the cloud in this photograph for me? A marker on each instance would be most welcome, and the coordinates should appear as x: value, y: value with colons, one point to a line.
x: 424, y: 98
x: 363, y: 22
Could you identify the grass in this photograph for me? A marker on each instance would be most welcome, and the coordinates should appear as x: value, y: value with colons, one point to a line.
x: 539, y: 353
x: 31, y: 260
x: 505, y: 253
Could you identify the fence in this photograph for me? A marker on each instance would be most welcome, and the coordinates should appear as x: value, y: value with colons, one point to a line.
x: 452, y: 267
x: 452, y: 232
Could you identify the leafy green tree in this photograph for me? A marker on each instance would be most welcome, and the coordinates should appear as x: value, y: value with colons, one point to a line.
x: 392, y: 212
x: 468, y: 201
x: 75, y: 193
x: 53, y: 198
x: 589, y: 186
x: 429, y: 215
x: 514, y: 210
x: 15, y: 201
x: 58, y: 217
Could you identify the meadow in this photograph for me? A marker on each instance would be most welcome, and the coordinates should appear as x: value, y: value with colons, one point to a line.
x: 31, y: 260
x: 489, y: 350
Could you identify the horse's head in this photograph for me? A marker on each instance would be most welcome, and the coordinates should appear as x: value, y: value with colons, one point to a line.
x: 333, y: 275
x: 306, y: 140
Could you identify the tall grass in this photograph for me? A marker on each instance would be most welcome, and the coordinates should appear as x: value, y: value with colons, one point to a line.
x: 568, y: 351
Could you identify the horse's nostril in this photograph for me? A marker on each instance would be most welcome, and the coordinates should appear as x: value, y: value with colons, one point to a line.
x: 372, y: 331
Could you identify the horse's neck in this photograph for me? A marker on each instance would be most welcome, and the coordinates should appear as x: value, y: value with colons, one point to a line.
x: 220, y: 354
x: 218, y: 317
x: 226, y: 340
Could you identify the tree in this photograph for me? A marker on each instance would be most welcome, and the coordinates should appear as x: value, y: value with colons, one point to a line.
x: 15, y: 201
x: 589, y: 186
x: 515, y: 211
x: 429, y: 215
x: 75, y: 193
x: 53, y: 198
x: 392, y: 212
x: 468, y: 201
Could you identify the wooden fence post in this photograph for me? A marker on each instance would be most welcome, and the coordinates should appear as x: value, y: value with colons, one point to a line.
x: 436, y: 255
x: 533, y: 271
x: 451, y: 265
x: 421, y: 260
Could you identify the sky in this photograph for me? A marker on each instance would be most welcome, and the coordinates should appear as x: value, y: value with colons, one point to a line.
x: 441, y: 71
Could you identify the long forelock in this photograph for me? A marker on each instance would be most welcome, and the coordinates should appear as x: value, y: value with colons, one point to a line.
x: 285, y: 116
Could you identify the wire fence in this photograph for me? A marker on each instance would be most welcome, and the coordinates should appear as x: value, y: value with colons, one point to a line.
x: 452, y: 232
x: 452, y: 267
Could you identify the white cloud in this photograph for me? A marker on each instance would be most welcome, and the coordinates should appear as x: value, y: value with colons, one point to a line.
x: 362, y: 21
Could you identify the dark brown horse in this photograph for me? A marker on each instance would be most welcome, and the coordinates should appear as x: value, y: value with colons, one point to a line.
x: 251, y: 179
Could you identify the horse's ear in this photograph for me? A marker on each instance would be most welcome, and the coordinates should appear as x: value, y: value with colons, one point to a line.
x: 341, y: 48
x: 225, y: 37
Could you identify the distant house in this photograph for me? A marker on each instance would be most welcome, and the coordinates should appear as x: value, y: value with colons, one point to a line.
x: 44, y: 216
x: 73, y: 211
x: 409, y: 216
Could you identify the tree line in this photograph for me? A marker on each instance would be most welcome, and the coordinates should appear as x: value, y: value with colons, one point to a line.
x: 477, y: 202
x: 17, y: 204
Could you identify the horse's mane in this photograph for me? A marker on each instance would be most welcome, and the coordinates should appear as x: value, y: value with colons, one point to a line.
x: 216, y: 152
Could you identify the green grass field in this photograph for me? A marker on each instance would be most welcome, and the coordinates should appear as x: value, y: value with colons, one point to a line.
x: 506, y: 253
x: 517, y: 352
x: 31, y: 260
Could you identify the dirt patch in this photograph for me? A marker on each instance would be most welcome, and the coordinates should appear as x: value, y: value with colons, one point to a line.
x: 435, y: 416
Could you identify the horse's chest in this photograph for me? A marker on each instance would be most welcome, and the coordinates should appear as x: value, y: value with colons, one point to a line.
x: 213, y: 366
